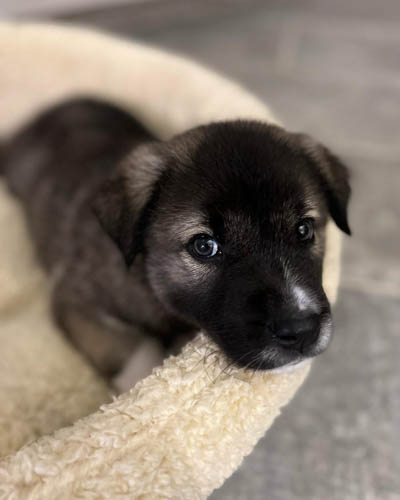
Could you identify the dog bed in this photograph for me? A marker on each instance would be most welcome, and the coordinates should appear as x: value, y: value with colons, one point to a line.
x: 180, y: 432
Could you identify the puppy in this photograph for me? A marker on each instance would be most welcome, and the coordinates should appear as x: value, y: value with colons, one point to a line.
x: 221, y: 228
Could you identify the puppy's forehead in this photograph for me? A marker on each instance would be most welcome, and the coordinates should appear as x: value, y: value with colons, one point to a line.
x: 241, y: 174
x: 249, y: 161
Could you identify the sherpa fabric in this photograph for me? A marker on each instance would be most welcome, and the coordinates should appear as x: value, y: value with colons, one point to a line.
x: 179, y: 433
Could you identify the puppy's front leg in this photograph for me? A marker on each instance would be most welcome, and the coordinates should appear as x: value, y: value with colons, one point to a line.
x: 106, y: 342
x: 147, y: 355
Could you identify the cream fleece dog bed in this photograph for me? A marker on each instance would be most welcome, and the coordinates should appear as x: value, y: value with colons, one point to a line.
x: 180, y: 432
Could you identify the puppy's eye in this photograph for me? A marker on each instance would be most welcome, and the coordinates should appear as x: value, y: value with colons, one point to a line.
x: 203, y: 246
x: 305, y: 230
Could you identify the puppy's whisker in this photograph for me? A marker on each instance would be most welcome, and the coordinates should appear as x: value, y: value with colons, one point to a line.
x: 233, y: 361
x: 260, y: 358
x: 207, y: 356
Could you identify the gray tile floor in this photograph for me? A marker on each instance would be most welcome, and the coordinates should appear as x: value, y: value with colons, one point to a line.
x: 331, y: 69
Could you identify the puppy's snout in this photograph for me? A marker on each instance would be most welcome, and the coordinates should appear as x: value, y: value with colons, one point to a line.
x: 297, y: 332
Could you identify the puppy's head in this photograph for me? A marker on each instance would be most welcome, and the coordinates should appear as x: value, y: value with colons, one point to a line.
x: 231, y: 220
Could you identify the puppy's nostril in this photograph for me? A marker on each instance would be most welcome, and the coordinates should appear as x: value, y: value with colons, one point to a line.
x: 287, y: 340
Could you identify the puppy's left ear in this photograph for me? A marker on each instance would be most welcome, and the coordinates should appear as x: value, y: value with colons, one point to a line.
x: 334, y: 177
x: 122, y: 203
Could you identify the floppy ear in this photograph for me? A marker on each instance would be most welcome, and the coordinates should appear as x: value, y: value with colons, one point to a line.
x: 122, y: 203
x: 334, y: 176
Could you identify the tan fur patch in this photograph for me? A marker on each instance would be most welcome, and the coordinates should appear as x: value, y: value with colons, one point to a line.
x: 312, y: 213
x: 142, y: 168
x: 188, y: 227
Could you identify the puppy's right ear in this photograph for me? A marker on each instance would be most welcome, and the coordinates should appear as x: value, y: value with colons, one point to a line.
x: 334, y: 177
x: 122, y: 202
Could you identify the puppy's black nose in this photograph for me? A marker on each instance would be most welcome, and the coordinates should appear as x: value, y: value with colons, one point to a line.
x: 297, y: 332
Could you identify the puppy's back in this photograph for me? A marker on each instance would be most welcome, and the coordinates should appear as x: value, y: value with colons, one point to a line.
x: 55, y: 163
x: 76, y: 141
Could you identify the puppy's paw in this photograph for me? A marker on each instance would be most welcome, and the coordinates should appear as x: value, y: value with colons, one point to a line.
x: 147, y: 356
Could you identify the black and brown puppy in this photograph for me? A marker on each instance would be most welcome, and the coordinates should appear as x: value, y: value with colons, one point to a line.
x: 220, y: 228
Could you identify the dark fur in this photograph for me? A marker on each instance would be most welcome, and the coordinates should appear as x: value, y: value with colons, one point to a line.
x: 248, y: 182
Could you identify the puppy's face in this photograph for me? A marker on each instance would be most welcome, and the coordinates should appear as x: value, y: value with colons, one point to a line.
x: 233, y: 233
